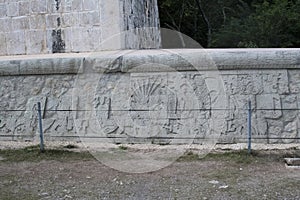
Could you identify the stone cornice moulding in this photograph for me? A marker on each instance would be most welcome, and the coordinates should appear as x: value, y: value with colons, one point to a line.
x: 153, y: 60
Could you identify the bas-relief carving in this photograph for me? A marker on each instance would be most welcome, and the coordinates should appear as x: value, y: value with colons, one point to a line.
x: 276, y: 82
x: 152, y: 105
x: 294, y: 85
x: 249, y: 84
x: 236, y: 118
x: 58, y: 118
x: 173, y: 104
x: 275, y: 111
x: 294, y: 81
x: 290, y: 118
x: 19, y: 97
x: 17, y: 116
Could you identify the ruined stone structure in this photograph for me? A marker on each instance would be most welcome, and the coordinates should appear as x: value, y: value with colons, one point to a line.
x: 135, y: 96
x: 59, y: 26
x: 117, y: 96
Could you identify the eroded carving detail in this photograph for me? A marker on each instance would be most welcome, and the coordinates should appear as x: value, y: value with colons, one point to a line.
x: 178, y: 104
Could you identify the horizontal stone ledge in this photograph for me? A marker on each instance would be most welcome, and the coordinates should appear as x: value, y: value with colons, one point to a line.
x: 150, y: 61
x: 292, y: 161
x: 41, y: 64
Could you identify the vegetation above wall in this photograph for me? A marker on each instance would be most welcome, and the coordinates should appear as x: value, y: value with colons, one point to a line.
x: 235, y: 23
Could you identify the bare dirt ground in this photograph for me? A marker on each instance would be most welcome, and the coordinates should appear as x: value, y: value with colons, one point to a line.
x: 224, y: 174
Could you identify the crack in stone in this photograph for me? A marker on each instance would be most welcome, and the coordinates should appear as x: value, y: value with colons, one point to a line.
x: 57, y: 4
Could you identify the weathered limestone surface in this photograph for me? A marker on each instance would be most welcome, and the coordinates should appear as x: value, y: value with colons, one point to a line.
x: 137, y: 15
x: 58, y: 26
x: 119, y: 95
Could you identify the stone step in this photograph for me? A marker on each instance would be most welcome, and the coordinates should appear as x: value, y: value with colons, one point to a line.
x: 293, y: 163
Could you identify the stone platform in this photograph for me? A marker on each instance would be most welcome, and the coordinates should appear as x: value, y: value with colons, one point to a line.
x: 153, y: 96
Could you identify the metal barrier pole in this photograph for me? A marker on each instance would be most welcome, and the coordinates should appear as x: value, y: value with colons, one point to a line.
x: 249, y: 126
x: 41, y: 127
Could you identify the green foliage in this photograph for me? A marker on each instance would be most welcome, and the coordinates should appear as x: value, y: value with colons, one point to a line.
x: 235, y: 23
x: 182, y: 16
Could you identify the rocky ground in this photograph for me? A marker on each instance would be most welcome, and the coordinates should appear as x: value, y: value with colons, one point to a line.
x: 223, y: 174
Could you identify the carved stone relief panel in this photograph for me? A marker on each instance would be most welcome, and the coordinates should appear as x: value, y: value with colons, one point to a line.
x: 237, y: 115
x: 249, y: 84
x: 169, y: 105
x: 275, y: 111
x: 19, y: 97
x: 290, y: 118
x: 17, y: 110
x: 158, y: 105
x: 275, y: 82
x: 294, y: 81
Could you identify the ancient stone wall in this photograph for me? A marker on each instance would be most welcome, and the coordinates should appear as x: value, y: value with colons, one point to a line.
x: 59, y: 26
x: 117, y: 96
x: 137, y: 15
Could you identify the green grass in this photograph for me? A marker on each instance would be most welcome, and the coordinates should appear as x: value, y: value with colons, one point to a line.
x: 33, y: 154
x: 25, y: 196
x: 124, y: 148
x: 188, y: 157
x: 235, y: 156
x: 242, y: 156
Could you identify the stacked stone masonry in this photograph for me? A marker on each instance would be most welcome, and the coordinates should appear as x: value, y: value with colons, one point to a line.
x: 182, y: 95
x: 58, y: 26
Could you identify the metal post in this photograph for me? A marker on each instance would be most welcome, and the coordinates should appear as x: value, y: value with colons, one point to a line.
x: 41, y: 127
x: 249, y: 126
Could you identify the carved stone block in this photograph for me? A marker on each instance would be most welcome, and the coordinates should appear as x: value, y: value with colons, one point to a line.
x: 269, y: 106
x: 276, y: 82
x: 144, y: 105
